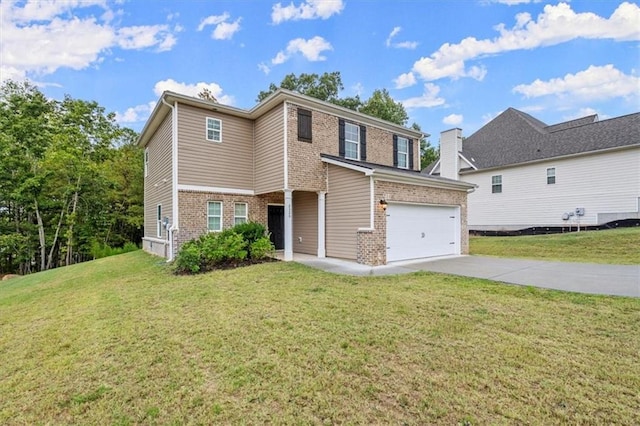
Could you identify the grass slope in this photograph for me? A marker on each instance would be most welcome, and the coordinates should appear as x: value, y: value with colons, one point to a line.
x: 619, y: 246
x: 121, y: 341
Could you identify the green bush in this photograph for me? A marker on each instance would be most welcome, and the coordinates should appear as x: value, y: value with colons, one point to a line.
x: 250, y: 231
x: 261, y: 248
x: 100, y: 250
x: 231, y: 246
x: 189, y: 258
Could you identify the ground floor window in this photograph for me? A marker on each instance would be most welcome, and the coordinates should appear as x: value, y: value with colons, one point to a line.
x: 240, y: 213
x: 214, y: 216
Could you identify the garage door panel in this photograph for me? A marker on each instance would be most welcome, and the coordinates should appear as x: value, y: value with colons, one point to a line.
x: 416, y: 231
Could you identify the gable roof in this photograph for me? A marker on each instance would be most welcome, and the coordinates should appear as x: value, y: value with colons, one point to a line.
x: 168, y: 98
x: 515, y: 137
x: 397, y: 175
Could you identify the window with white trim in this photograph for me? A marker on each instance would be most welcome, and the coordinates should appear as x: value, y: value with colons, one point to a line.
x: 240, y: 214
x: 146, y: 162
x: 159, y: 221
x: 214, y: 216
x: 496, y: 184
x: 214, y: 130
x: 551, y: 175
x: 351, y: 141
x: 403, y: 152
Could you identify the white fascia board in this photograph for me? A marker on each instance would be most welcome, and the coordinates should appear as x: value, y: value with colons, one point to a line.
x: 463, y: 158
x: 436, y: 168
x: 216, y: 189
x: 423, y: 181
x: 366, y: 171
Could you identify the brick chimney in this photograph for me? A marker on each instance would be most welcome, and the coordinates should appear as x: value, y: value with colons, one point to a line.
x: 450, y: 146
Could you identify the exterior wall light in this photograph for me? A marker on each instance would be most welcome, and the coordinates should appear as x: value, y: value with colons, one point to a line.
x: 383, y: 204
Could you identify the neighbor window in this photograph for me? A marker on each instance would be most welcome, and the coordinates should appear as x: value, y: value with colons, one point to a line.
x: 403, y: 152
x: 351, y: 141
x: 240, y: 213
x: 304, y: 125
x: 214, y: 130
x: 214, y: 216
x: 146, y: 162
x: 159, y: 222
x: 551, y: 175
x: 496, y: 184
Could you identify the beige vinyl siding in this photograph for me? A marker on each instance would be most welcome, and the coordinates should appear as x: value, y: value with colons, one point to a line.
x: 269, y: 151
x: 305, y: 222
x: 348, y: 207
x: 157, y: 185
x: 227, y: 164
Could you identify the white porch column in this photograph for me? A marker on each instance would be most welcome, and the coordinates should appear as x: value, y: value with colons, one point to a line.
x: 321, y: 249
x: 288, y: 224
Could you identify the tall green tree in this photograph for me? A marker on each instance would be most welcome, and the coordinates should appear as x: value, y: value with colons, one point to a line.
x: 60, y: 178
x: 383, y: 106
x: 428, y: 153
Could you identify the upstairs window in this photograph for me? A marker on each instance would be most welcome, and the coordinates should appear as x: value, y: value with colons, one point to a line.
x: 304, y: 125
x: 551, y: 175
x: 496, y: 184
x: 351, y: 141
x: 214, y: 216
x: 240, y: 213
x: 214, y: 130
x: 146, y: 162
x: 403, y: 152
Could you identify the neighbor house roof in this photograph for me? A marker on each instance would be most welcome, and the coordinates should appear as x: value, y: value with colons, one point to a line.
x: 397, y: 175
x: 515, y: 137
x: 162, y: 108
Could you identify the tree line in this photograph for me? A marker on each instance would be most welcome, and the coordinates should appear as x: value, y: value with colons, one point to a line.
x: 71, y: 181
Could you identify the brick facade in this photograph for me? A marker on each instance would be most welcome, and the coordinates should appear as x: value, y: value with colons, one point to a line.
x: 193, y: 211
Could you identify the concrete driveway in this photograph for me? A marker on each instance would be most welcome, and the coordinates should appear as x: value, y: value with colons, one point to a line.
x: 615, y: 280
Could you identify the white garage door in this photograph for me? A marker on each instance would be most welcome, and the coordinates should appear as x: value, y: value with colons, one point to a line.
x: 415, y: 231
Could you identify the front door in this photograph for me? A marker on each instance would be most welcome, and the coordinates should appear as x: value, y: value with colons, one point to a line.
x: 276, y: 226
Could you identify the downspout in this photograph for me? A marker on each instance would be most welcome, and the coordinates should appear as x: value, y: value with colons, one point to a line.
x: 174, y: 175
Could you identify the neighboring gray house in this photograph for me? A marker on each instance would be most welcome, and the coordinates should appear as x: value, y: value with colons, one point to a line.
x: 325, y: 180
x: 530, y: 174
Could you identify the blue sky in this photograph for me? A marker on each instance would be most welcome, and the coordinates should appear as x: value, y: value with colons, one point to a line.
x: 451, y: 63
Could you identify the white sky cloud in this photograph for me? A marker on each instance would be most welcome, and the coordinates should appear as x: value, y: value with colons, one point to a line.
x: 264, y: 68
x: 310, y: 9
x: 453, y: 119
x: 513, y: 2
x: 193, y: 90
x: 311, y: 49
x: 223, y: 30
x: 40, y: 37
x: 399, y: 45
x: 405, y: 80
x: 428, y: 99
x: 584, y: 112
x: 594, y: 83
x: 136, y: 114
x: 556, y: 24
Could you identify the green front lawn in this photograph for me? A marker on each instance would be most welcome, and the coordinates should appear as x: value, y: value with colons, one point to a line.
x: 122, y: 341
x: 619, y: 246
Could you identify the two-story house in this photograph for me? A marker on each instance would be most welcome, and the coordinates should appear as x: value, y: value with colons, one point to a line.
x: 533, y: 175
x: 325, y: 180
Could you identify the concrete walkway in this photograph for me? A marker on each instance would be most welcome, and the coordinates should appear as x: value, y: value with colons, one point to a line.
x: 615, y: 280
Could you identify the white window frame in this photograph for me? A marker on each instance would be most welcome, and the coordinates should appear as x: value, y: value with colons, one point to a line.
x: 146, y: 162
x: 211, y: 215
x: 551, y: 174
x: 350, y: 141
x: 212, y: 120
x: 245, y: 218
x: 403, y: 154
x: 159, y: 221
x: 496, y: 183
